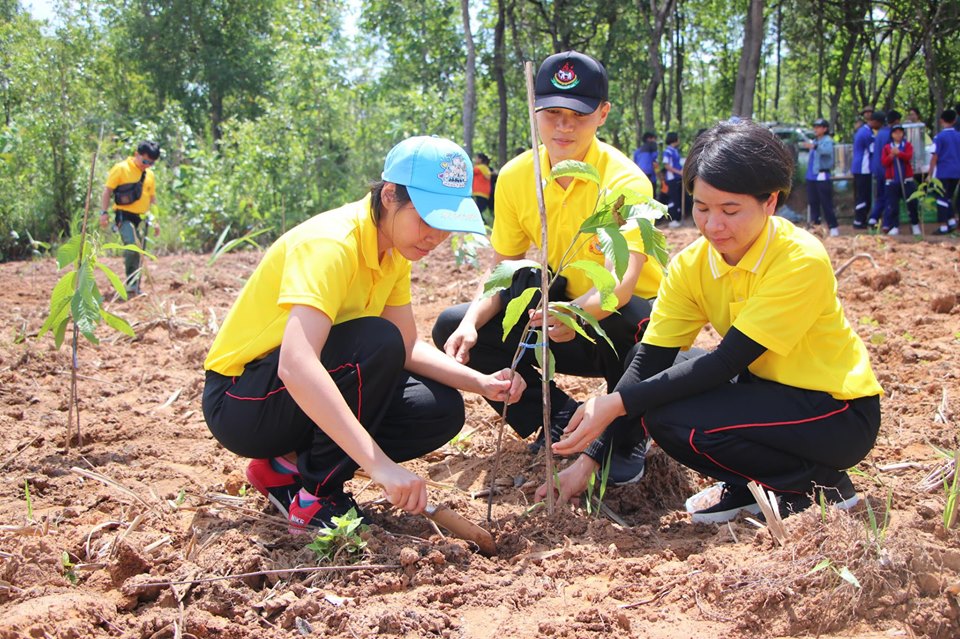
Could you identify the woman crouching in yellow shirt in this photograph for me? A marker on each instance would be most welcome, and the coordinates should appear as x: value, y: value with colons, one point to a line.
x: 317, y: 368
x: 803, y: 404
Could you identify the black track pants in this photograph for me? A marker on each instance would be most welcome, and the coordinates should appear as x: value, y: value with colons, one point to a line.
x: 253, y: 415
x: 784, y: 438
x: 576, y: 357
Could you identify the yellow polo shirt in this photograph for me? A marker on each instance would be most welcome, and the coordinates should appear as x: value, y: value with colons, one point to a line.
x: 126, y: 172
x: 330, y: 263
x: 516, y: 224
x: 782, y: 295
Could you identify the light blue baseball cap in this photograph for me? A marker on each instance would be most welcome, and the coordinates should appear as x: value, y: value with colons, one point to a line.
x: 438, y: 175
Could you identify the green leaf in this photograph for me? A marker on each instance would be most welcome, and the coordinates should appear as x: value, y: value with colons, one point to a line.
x: 551, y: 368
x: 114, y: 279
x: 574, y: 169
x: 515, y: 309
x: 60, y: 330
x: 502, y: 276
x: 630, y: 197
x: 113, y: 246
x: 602, y: 280
x: 824, y: 563
x: 849, y: 577
x: 59, y: 302
x: 614, y: 248
x: 587, y: 317
x: 68, y: 251
x: 569, y: 321
x: 654, y: 242
x: 117, y: 323
x: 648, y: 210
x: 232, y: 244
x: 84, y: 306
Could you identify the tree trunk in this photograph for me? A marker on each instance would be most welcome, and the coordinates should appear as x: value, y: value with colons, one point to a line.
x: 678, y: 62
x: 470, y: 91
x: 656, y: 21
x: 499, y: 55
x: 749, y: 68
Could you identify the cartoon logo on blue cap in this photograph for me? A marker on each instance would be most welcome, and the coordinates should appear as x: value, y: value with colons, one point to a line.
x: 565, y: 77
x: 454, y: 173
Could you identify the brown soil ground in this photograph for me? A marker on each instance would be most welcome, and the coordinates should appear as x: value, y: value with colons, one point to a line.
x: 148, y: 496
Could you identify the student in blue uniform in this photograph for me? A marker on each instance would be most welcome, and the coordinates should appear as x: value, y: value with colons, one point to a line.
x: 945, y: 166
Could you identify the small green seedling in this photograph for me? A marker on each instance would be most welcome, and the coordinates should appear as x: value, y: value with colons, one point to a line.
x: 68, y: 571
x: 844, y: 572
x: 877, y: 339
x: 220, y: 249
x: 601, y: 490
x: 951, y: 490
x: 344, y: 538
x: 908, y: 336
x: 461, y: 441
x: 877, y: 530
x: 868, y: 321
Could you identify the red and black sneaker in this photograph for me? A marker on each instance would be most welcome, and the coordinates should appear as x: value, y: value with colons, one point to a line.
x: 279, y: 488
x: 319, y: 512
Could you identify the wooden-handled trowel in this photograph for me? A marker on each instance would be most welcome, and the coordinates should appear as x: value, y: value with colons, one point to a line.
x: 462, y: 528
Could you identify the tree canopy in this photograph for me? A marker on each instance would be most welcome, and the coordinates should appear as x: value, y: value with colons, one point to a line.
x: 270, y: 111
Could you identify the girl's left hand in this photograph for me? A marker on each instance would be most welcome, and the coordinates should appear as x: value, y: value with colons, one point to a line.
x: 588, y: 423
x: 503, y: 386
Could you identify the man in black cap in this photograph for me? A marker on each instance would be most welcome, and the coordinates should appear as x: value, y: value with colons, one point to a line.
x: 571, y: 104
x: 819, y: 186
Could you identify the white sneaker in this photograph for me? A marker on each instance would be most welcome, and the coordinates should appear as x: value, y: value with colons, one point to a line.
x: 872, y: 222
x: 916, y: 229
x: 674, y: 224
x: 893, y: 231
x: 834, y: 232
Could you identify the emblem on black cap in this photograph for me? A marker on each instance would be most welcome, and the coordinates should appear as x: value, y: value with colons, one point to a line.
x: 565, y: 77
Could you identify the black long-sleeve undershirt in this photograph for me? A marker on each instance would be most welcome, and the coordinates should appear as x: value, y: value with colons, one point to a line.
x: 653, y: 379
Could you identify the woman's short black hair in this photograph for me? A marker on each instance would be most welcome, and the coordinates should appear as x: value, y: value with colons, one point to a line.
x: 740, y: 157
x: 376, y: 197
x: 150, y: 149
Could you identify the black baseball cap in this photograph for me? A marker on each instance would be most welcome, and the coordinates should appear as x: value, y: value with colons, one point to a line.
x: 821, y: 122
x: 896, y: 127
x: 570, y: 80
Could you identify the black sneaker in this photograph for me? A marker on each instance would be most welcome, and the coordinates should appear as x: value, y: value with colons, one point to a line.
x: 558, y: 422
x: 721, y: 503
x: 843, y: 496
x: 320, y: 513
x: 629, y: 468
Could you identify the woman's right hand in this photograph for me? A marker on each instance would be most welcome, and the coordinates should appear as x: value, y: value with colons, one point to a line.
x: 572, y: 480
x: 402, y: 488
x: 460, y: 342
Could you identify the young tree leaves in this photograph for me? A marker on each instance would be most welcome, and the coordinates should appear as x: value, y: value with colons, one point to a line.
x: 502, y: 276
x: 574, y: 169
x: 603, y: 281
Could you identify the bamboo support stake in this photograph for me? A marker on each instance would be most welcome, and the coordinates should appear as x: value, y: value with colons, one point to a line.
x: 544, y: 285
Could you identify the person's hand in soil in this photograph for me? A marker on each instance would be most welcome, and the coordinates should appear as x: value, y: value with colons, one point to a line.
x: 503, y: 386
x: 402, y: 488
x: 572, y: 480
x: 589, y: 422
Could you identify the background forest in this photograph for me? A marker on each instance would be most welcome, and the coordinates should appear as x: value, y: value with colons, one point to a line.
x: 270, y: 111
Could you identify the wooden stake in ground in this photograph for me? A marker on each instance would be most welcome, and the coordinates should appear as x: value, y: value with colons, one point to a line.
x: 544, y: 284
x: 771, y: 512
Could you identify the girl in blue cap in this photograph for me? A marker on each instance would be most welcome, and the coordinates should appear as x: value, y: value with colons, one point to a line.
x: 317, y: 369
